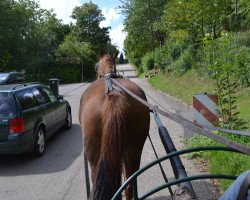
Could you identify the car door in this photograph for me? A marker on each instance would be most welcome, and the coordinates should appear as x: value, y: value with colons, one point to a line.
x: 61, y: 112
x: 46, y: 109
x: 59, y: 108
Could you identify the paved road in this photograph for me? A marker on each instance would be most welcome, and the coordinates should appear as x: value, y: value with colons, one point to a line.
x: 59, y: 174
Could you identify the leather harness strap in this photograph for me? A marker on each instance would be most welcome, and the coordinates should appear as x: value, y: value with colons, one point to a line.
x: 109, y: 86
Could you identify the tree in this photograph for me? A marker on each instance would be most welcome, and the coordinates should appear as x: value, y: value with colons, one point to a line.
x: 140, y: 21
x: 74, y: 52
x: 87, y: 29
x: 197, y: 17
x: 29, y: 36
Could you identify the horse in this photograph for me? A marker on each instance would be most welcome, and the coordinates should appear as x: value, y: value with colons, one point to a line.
x: 114, y: 127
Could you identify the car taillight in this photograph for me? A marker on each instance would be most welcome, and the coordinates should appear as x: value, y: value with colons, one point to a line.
x: 16, y: 125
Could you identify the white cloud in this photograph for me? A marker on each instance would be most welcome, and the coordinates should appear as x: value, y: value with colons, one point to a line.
x: 110, y: 16
x: 62, y: 8
x: 118, y: 36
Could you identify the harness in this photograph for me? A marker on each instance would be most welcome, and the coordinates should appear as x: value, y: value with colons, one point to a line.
x: 109, y: 86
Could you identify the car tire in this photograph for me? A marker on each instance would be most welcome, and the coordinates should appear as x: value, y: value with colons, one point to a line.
x: 68, y: 122
x: 40, y: 142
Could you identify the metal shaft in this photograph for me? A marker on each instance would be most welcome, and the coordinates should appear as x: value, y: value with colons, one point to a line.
x: 176, y: 163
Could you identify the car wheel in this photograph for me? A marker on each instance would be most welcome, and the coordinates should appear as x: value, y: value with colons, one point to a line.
x: 68, y: 122
x: 40, y: 142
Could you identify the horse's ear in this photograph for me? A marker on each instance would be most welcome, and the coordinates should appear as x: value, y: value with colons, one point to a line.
x: 115, y: 55
x: 101, y: 53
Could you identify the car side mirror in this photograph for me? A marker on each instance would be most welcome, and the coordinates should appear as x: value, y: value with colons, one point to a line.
x: 60, y: 97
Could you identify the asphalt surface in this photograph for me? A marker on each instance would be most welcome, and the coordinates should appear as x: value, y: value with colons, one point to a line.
x: 59, y: 174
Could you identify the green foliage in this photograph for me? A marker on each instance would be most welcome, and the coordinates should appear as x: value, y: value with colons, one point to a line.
x: 147, y: 62
x: 244, y: 38
x: 33, y: 39
x: 183, y: 63
x: 243, y: 65
x: 143, y: 36
x: 242, y: 19
x: 80, y: 54
x: 173, y: 56
x: 219, y: 55
x: 88, y: 17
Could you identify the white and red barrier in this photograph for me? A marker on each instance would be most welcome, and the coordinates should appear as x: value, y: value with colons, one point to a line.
x: 205, y: 109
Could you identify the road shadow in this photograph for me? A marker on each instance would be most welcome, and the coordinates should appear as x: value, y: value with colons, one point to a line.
x: 63, y: 148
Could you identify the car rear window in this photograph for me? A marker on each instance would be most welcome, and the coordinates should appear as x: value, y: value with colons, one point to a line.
x: 26, y: 99
x: 7, y: 106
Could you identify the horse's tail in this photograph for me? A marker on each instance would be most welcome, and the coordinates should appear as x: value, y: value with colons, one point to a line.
x: 114, y: 119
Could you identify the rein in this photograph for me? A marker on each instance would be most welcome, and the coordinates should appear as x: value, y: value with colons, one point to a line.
x: 196, y: 127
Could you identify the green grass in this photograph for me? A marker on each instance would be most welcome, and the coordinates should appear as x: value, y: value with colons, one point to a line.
x: 244, y: 105
x: 183, y: 88
x: 222, y: 162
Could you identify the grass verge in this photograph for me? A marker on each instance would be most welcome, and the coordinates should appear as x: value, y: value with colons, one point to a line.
x: 182, y: 87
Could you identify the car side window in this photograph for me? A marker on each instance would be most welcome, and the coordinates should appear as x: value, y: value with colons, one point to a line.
x: 50, y: 94
x: 26, y: 99
x: 19, y: 77
x: 10, y: 79
x: 39, y: 96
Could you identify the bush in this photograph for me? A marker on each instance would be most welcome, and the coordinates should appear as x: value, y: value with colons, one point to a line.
x: 147, y: 62
x: 137, y: 62
x: 169, y: 53
x: 242, y: 66
x: 183, y: 63
x: 162, y: 57
x: 244, y: 38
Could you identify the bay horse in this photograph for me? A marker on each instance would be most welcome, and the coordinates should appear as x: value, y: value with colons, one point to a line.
x: 114, y: 127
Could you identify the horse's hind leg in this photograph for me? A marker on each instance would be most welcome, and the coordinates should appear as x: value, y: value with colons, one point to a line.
x: 131, y: 166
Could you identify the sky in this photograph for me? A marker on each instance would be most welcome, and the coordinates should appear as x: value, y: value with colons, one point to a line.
x: 63, y: 10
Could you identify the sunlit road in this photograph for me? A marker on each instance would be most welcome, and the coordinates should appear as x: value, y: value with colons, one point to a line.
x: 59, y: 174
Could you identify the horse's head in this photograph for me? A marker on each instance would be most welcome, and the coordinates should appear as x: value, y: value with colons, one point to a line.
x: 106, y: 64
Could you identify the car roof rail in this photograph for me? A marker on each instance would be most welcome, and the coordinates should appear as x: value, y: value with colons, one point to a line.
x: 24, y: 85
x: 19, y: 85
x: 33, y: 83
